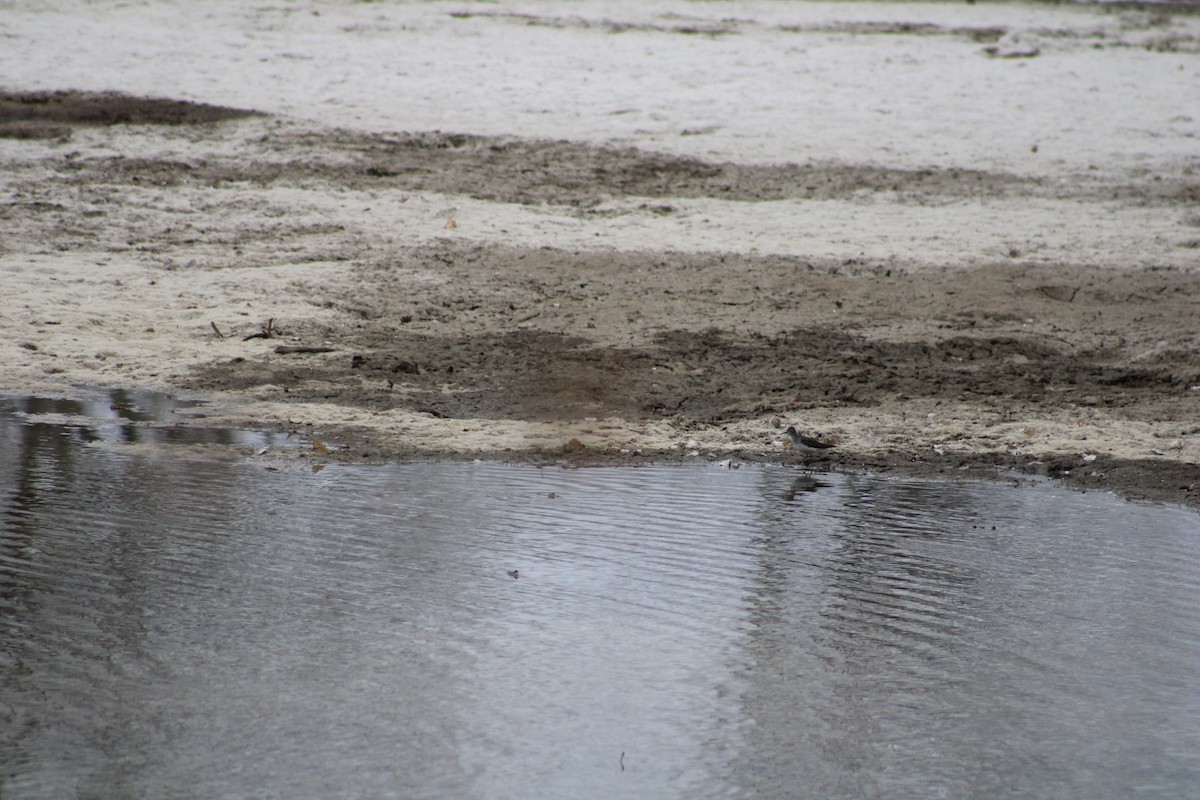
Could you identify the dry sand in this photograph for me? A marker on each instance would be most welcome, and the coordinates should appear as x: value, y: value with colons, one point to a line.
x: 953, y: 239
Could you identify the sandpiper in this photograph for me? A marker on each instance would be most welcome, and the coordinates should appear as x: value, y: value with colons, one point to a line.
x: 806, y: 444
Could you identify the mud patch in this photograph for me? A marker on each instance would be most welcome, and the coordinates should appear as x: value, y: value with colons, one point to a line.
x: 534, y: 172
x: 1135, y: 17
x: 936, y: 371
x: 538, y: 339
x: 667, y: 24
x: 707, y: 377
x: 987, y: 34
x: 41, y: 115
x: 584, y: 176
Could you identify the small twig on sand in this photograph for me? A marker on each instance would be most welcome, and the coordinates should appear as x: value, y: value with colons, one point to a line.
x: 217, y: 330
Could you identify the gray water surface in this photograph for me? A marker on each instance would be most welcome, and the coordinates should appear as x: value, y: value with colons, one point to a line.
x: 198, y: 627
x: 120, y: 416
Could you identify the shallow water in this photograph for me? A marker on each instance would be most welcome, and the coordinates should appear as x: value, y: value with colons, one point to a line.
x: 175, y: 625
x: 124, y: 417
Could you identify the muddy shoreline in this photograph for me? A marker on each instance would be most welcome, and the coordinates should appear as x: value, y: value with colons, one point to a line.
x: 430, y: 295
x: 1146, y: 480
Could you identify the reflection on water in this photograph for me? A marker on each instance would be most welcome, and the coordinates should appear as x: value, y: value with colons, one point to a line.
x: 130, y: 417
x: 177, y: 626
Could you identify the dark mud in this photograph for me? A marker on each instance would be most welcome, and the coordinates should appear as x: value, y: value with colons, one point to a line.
x: 514, y: 170
x: 1117, y: 343
x: 573, y: 174
x: 1138, y: 15
x: 51, y: 115
x: 709, y: 377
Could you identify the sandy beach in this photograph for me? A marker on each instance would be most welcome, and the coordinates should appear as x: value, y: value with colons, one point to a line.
x: 957, y: 239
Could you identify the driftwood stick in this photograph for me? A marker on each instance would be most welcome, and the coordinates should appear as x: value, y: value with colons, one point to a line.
x: 300, y: 348
x: 268, y: 332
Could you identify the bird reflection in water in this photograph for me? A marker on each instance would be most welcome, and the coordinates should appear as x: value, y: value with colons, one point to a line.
x: 803, y: 484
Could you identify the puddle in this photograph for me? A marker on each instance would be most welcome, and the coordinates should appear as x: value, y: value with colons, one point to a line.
x: 129, y: 417
x: 196, y: 626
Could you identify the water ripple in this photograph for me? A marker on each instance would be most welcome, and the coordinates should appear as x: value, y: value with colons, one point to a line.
x: 490, y: 631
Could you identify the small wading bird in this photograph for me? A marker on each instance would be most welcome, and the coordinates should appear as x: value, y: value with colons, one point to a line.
x: 806, y: 444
